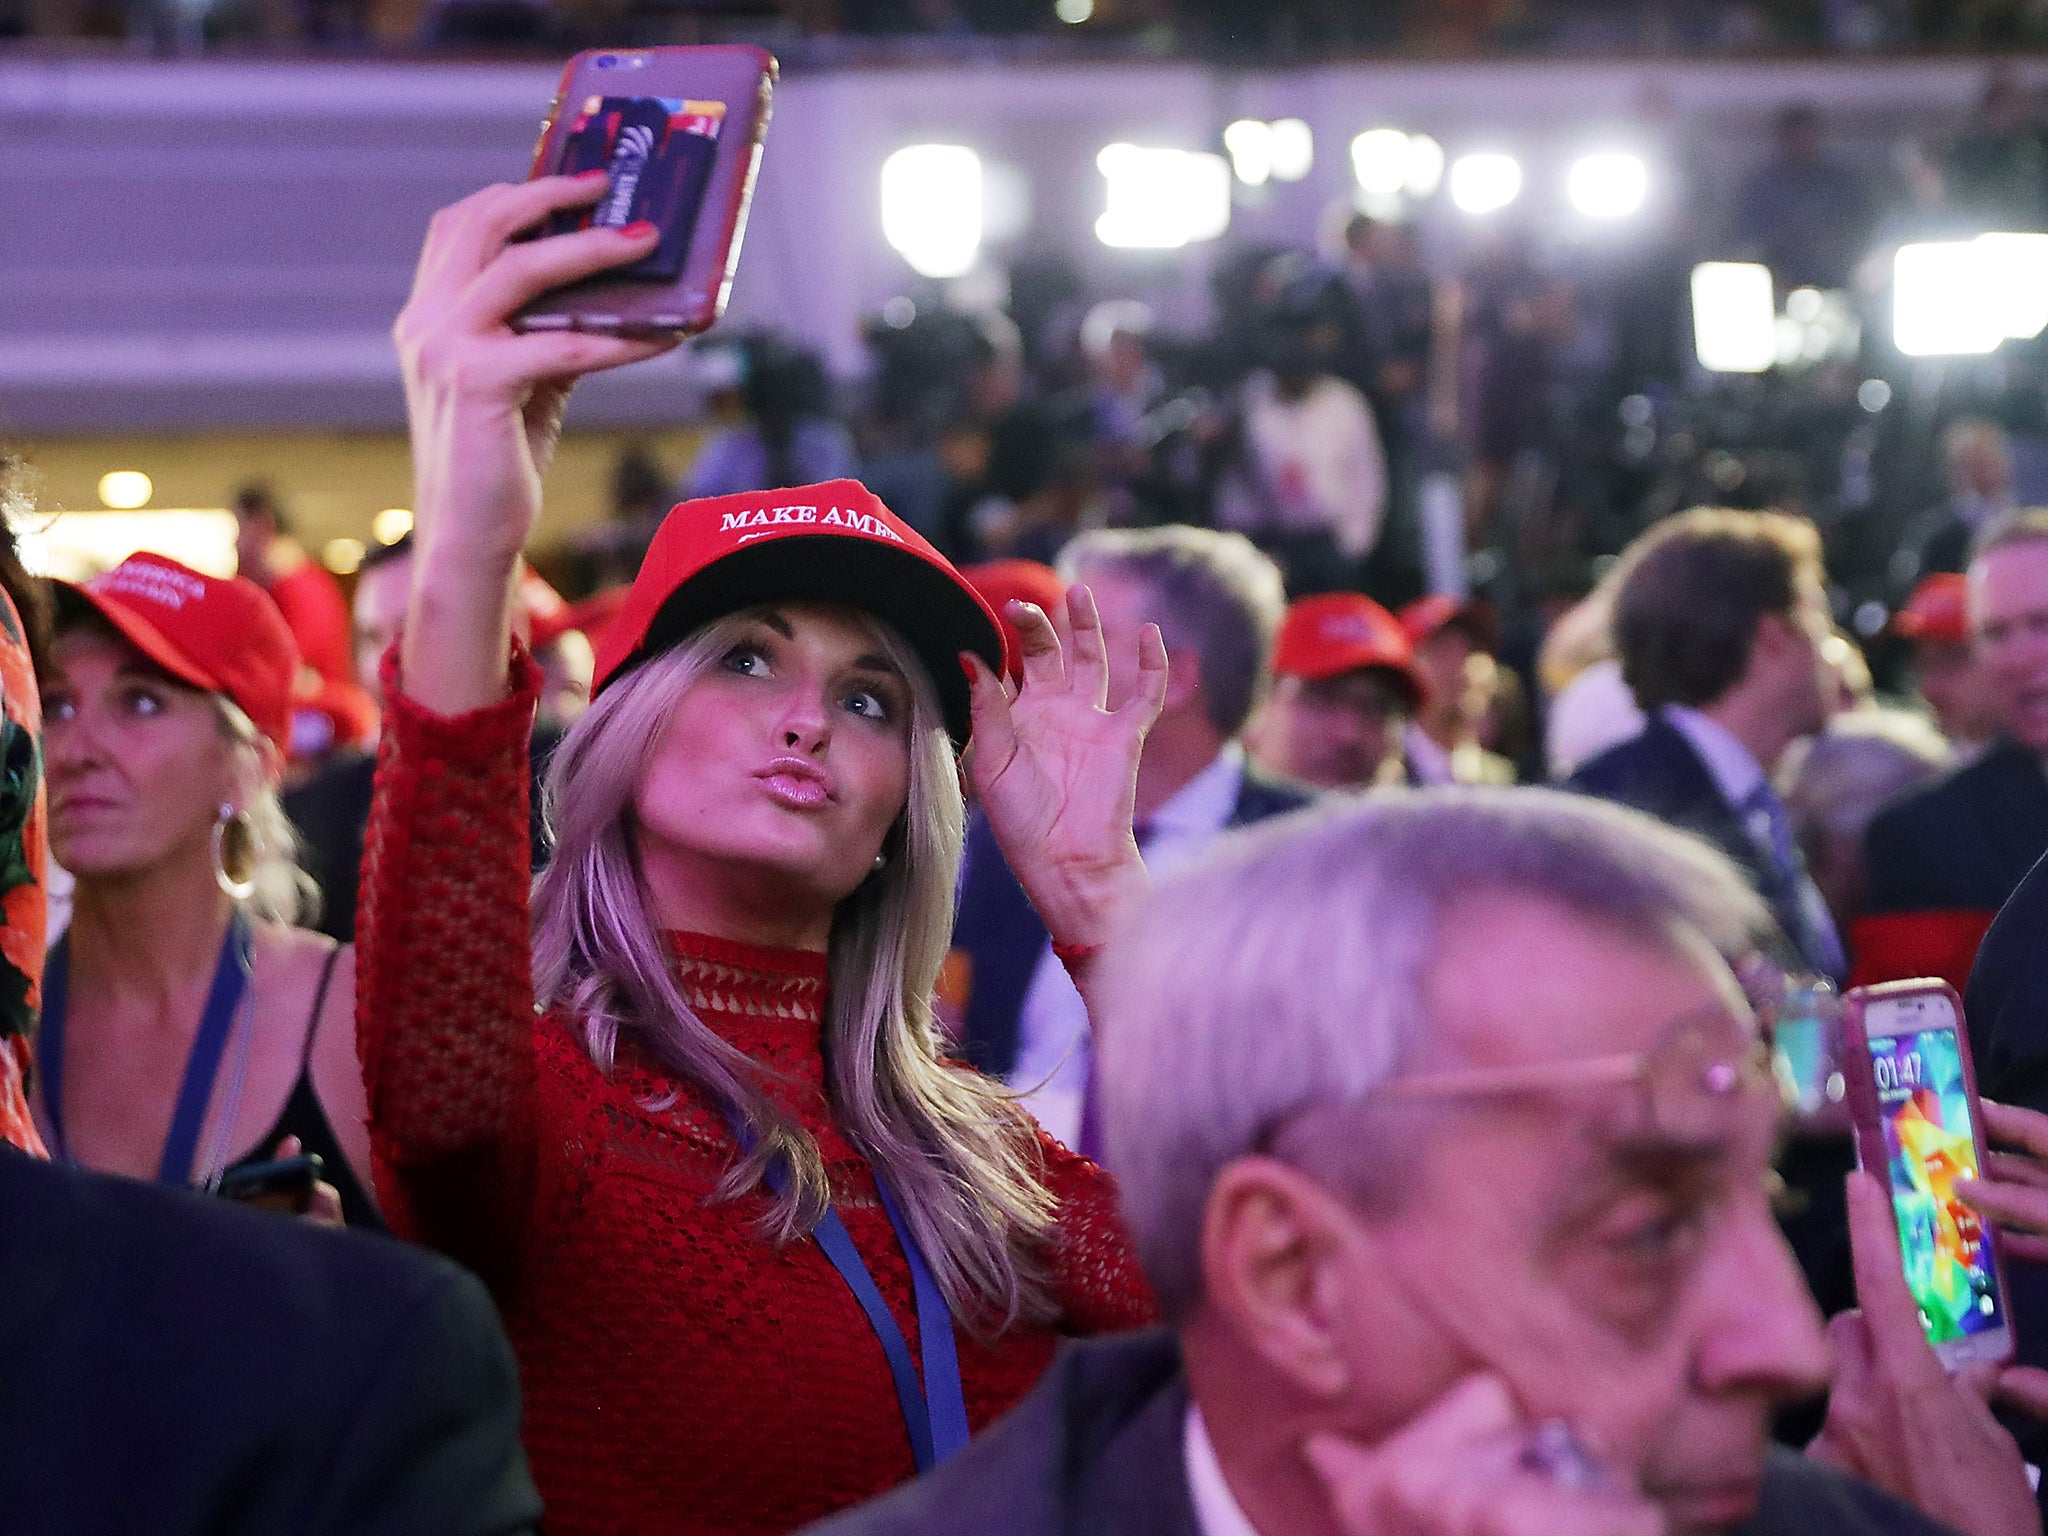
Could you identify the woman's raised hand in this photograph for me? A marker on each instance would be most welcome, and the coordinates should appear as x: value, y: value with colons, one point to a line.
x: 1056, y: 769
x: 485, y: 403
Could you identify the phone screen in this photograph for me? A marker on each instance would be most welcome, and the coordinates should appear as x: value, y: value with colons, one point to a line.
x: 658, y: 151
x: 1930, y: 1141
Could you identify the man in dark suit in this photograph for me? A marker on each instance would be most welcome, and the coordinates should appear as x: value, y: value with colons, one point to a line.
x: 1945, y: 858
x: 1433, y: 1260
x: 1719, y: 620
x: 174, y: 1365
x: 1218, y: 603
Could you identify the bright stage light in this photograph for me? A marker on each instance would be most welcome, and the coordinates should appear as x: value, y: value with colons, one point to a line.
x: 2016, y: 267
x: 1379, y: 160
x: 125, y: 489
x: 1608, y: 185
x: 1162, y: 199
x: 1386, y: 162
x: 1485, y: 183
x: 1944, y: 303
x: 1250, y: 143
x: 1734, y: 322
x: 1425, y: 165
x: 1073, y: 12
x: 344, y: 557
x: 931, y: 207
x: 1294, y: 149
x: 391, y: 525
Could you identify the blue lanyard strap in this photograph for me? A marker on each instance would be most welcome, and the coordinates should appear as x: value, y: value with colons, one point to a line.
x: 934, y: 1412
x: 202, y: 1065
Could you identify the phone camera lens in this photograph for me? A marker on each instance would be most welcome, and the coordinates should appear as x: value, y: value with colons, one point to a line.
x: 607, y: 61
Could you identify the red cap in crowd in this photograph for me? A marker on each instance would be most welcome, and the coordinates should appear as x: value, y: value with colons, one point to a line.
x: 829, y: 543
x: 1024, y: 581
x: 1337, y: 632
x: 1426, y: 616
x: 224, y: 636
x: 1938, y: 610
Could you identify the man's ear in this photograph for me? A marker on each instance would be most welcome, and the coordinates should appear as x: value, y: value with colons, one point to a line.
x: 1276, y: 1248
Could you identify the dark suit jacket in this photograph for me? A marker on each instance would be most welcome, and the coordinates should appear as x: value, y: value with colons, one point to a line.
x: 1658, y: 772
x: 2006, y: 1007
x: 1002, y: 937
x: 1095, y: 1450
x: 174, y: 1365
x: 1964, y: 841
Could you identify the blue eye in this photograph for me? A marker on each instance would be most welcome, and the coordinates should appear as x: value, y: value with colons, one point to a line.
x: 746, y: 660
x: 868, y: 705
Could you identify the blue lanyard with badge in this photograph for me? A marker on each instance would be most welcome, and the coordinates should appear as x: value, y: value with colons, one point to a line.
x: 934, y: 1411
x: 202, y: 1064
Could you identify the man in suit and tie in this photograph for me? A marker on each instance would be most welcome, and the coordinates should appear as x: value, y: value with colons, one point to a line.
x: 1719, y: 621
x: 1944, y: 859
x: 1218, y: 602
x: 1442, y: 1126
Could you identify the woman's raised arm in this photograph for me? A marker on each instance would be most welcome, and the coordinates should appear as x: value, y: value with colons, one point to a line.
x: 485, y: 403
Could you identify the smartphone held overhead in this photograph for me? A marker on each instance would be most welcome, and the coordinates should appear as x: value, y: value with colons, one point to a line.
x: 1919, y: 1127
x: 678, y: 133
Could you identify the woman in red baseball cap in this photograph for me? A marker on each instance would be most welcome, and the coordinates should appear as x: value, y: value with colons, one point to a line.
x: 188, y: 1027
x: 762, y: 1251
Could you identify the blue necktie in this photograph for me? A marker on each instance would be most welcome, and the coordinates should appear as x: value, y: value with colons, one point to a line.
x: 1819, y: 944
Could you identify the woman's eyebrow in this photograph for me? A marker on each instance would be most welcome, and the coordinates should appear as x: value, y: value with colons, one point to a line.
x: 874, y: 661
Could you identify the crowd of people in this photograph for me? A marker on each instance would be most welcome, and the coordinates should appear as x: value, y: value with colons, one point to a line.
x: 934, y: 1006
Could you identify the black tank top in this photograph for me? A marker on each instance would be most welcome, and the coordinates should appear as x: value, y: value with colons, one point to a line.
x: 303, y: 1117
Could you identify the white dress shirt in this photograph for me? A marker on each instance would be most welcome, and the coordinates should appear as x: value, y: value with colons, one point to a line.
x: 1052, y: 1024
x: 1217, y: 1512
x: 1733, y: 767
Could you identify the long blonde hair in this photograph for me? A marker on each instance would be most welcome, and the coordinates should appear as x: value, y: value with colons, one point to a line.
x: 958, y: 1154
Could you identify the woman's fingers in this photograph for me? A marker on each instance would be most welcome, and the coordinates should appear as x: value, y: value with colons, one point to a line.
x: 2009, y: 1206
x: 1091, y: 654
x: 994, y: 738
x: 2016, y: 1168
x: 2012, y: 1126
x: 522, y: 273
x: 2024, y: 1389
x: 463, y: 238
x: 1045, y: 667
x: 1148, y: 698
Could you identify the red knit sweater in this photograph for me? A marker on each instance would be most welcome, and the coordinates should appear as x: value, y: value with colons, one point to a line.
x: 681, y: 1373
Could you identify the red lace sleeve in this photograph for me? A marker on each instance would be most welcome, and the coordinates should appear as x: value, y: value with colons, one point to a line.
x: 1096, y: 1276
x: 444, y: 993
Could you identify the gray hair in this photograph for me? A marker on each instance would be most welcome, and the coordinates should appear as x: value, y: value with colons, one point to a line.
x: 1837, y: 782
x: 956, y: 1151
x: 1286, y: 970
x: 1211, y: 593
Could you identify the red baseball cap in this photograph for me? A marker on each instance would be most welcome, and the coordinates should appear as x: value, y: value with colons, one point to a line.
x: 1337, y: 632
x: 223, y: 636
x: 1024, y: 581
x: 829, y: 543
x: 1427, y: 615
x: 1938, y: 610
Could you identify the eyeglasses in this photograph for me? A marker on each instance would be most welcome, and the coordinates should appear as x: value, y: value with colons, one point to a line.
x: 1707, y: 1070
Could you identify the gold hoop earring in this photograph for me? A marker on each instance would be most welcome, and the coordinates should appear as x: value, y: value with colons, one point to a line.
x: 244, y: 888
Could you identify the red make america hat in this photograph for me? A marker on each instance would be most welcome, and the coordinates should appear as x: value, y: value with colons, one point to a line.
x: 1337, y: 632
x: 224, y: 636
x: 829, y: 543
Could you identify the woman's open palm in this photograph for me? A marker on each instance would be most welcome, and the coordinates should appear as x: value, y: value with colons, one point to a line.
x: 1055, y: 768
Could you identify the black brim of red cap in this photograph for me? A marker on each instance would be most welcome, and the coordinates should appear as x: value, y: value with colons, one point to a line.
x: 933, y: 612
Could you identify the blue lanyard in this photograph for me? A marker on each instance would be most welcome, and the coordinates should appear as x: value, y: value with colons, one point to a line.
x: 935, y: 1412
x: 202, y: 1066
